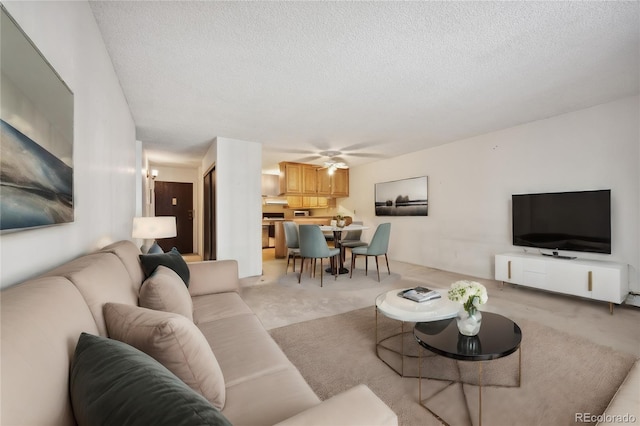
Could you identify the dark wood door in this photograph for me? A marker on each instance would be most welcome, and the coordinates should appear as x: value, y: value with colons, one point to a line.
x: 176, y: 199
x: 209, y: 239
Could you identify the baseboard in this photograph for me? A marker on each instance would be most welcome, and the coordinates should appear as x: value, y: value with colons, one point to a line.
x: 633, y: 299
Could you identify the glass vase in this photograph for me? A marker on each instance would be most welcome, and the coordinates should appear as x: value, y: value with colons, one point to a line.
x: 469, y: 322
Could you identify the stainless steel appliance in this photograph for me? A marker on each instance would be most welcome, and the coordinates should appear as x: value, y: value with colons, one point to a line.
x: 301, y: 213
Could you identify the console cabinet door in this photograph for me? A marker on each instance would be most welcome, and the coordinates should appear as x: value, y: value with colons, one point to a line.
x: 568, y: 278
x: 605, y: 283
x: 508, y: 269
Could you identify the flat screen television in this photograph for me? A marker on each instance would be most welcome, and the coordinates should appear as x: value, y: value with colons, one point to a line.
x: 574, y: 221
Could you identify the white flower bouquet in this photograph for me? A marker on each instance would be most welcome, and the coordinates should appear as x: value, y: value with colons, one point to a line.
x: 469, y: 294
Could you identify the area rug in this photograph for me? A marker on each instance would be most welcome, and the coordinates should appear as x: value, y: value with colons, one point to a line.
x: 561, y: 374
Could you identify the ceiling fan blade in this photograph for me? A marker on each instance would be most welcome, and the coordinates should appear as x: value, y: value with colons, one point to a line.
x: 309, y: 158
x: 362, y: 145
x: 339, y: 160
x: 365, y: 155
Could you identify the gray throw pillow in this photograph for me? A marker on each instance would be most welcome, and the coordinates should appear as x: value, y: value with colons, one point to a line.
x: 112, y: 383
x: 171, y: 259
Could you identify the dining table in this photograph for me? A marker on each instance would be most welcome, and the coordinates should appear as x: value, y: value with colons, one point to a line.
x: 337, y: 239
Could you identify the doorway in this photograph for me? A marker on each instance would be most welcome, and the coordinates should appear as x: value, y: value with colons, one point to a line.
x: 209, y: 219
x: 176, y: 199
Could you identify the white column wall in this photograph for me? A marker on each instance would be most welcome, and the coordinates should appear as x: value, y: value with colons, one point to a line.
x: 238, y: 202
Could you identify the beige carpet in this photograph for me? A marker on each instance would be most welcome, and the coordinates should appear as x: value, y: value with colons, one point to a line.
x: 561, y: 374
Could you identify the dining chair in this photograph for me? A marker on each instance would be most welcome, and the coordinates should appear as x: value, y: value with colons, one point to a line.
x: 314, y: 246
x: 352, y: 239
x: 377, y: 247
x: 292, y: 242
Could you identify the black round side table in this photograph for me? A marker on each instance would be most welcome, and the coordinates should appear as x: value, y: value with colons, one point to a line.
x: 498, y: 337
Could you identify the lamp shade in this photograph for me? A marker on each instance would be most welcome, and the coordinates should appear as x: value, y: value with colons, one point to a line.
x: 154, y: 227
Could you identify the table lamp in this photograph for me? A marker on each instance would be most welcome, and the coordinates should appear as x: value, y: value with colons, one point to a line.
x: 152, y: 228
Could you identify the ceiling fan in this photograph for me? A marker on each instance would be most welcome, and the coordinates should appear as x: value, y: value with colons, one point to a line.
x: 334, y: 162
x: 332, y: 158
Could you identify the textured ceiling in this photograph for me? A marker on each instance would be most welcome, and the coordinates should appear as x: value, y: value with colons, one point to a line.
x: 370, y: 79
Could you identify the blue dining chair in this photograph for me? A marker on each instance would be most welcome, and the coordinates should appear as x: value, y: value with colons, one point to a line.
x: 352, y: 239
x: 292, y: 242
x: 377, y: 247
x: 314, y: 246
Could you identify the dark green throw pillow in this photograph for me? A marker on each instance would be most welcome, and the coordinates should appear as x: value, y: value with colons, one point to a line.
x: 171, y: 259
x: 112, y: 383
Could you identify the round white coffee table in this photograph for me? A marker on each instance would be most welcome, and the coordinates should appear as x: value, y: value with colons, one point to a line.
x: 392, y: 305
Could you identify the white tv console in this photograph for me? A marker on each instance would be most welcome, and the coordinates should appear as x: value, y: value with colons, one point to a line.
x: 592, y: 279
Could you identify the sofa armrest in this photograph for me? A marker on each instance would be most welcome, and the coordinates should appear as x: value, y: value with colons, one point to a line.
x: 213, y: 276
x: 358, y: 406
x: 625, y: 405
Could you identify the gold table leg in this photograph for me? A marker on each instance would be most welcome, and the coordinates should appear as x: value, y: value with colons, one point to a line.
x: 459, y: 382
x: 480, y: 393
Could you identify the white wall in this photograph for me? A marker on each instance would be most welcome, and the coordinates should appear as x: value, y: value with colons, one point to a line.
x: 471, y: 182
x: 238, y: 202
x: 104, y: 142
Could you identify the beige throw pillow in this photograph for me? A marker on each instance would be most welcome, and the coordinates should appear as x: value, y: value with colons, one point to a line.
x: 172, y: 340
x: 165, y: 291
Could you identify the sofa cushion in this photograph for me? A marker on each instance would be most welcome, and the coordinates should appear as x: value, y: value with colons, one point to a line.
x: 40, y: 321
x: 273, y: 397
x: 243, y: 348
x: 101, y: 278
x: 114, y: 383
x: 165, y: 291
x: 128, y: 253
x: 174, y: 341
x: 212, y: 307
x: 171, y: 259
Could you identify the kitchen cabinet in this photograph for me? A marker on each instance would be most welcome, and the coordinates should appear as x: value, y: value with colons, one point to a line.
x: 333, y: 185
x: 305, y: 202
x: 290, y: 178
x: 309, y: 180
x: 340, y: 183
x: 308, y: 186
x: 324, y: 182
x: 297, y: 178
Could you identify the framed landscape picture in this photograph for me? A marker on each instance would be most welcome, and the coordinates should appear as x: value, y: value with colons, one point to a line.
x: 36, y: 136
x: 406, y: 197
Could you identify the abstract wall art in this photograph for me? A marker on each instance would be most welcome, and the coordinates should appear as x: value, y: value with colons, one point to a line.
x: 36, y: 136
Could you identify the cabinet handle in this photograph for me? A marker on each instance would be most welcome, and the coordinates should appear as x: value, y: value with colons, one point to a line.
x: 590, y: 279
x: 509, y: 269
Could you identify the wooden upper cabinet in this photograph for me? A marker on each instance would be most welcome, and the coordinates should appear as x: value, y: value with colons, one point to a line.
x: 309, y: 185
x: 335, y: 185
x: 290, y: 178
x: 324, y: 182
x: 340, y: 183
x: 310, y: 180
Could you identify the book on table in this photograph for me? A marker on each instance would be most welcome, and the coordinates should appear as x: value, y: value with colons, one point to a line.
x: 420, y: 294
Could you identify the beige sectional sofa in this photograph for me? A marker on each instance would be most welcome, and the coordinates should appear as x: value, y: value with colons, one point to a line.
x: 43, y: 318
x: 624, y: 407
